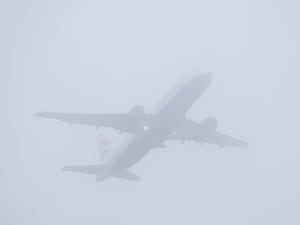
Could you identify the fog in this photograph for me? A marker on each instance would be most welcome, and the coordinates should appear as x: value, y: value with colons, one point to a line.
x: 97, y: 56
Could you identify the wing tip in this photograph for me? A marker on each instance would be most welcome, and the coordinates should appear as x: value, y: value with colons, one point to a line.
x: 41, y: 114
x: 68, y: 168
x: 244, y: 144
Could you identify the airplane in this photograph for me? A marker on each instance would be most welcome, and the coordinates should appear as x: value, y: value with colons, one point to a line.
x: 150, y: 130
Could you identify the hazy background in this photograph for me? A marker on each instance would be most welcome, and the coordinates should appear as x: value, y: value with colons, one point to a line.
x: 107, y: 56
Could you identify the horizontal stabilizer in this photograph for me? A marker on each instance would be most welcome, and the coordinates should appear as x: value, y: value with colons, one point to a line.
x: 127, y: 176
x: 221, y: 139
x: 87, y: 169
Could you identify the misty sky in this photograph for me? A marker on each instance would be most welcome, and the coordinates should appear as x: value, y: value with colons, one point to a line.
x: 108, y: 56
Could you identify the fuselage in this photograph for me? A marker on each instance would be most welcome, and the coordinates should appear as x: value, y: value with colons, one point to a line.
x: 159, y: 128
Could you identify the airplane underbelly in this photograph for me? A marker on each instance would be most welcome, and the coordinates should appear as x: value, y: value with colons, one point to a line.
x: 157, y: 132
x: 134, y: 152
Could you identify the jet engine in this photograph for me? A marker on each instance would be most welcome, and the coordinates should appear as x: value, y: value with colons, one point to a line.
x: 138, y: 110
x: 209, y: 124
x: 206, y: 128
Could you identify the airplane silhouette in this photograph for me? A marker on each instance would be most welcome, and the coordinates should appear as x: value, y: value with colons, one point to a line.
x: 150, y: 130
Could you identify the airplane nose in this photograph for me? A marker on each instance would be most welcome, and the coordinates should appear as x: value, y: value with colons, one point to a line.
x: 205, y: 78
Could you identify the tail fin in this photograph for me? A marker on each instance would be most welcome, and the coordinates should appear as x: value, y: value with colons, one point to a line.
x: 87, y: 169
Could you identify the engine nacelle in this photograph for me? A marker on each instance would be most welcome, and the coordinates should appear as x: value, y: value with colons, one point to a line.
x: 138, y: 110
x: 210, y: 124
x: 205, y: 128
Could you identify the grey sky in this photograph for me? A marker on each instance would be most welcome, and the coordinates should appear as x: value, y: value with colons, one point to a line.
x: 93, y: 56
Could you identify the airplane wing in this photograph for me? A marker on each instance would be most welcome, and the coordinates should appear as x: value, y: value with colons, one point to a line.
x: 205, y: 132
x: 123, y: 122
x: 221, y: 140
